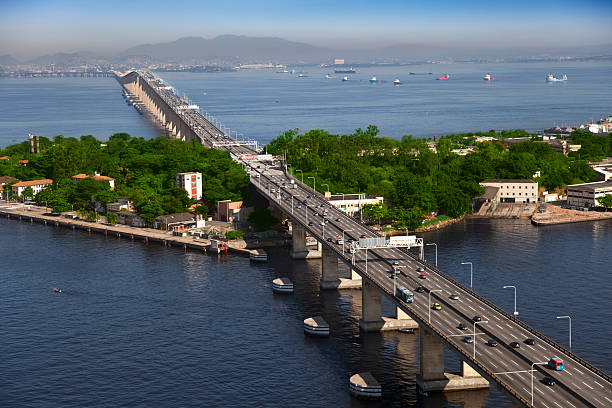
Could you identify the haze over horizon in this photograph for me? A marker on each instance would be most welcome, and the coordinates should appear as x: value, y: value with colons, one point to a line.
x: 32, y: 28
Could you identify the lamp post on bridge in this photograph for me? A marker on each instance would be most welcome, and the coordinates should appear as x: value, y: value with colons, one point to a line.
x: 314, y: 183
x: 302, y: 174
x: 343, y: 231
x: 429, y: 302
x: 514, y: 287
x: 436, y: 247
x: 475, y: 323
x: 325, y: 184
x: 532, y: 365
x: 469, y: 263
x: 570, y: 329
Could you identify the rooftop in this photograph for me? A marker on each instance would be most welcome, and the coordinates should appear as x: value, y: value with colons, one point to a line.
x: 97, y: 177
x: 7, y: 179
x: 490, y: 193
x: 33, y: 183
x: 174, y: 218
x: 509, y: 181
x: 591, y: 186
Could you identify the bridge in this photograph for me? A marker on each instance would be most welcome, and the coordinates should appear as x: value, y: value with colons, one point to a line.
x: 518, y: 371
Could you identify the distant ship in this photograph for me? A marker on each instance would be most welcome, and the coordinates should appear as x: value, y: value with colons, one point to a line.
x: 344, y: 70
x: 344, y: 79
x: 446, y: 77
x: 396, y: 81
x: 552, y: 78
x: 373, y: 80
x: 489, y: 78
x: 302, y: 75
x: 282, y: 71
x: 327, y: 76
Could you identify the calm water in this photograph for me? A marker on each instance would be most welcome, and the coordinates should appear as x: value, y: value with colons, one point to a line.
x: 148, y: 326
x: 263, y: 104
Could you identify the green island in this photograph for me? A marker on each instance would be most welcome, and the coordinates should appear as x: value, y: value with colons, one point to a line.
x: 417, y: 177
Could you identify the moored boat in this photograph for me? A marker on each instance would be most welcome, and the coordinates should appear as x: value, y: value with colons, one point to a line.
x: 552, y: 78
x: 396, y: 81
x: 373, y: 80
x: 488, y: 77
x: 344, y: 79
x: 446, y: 77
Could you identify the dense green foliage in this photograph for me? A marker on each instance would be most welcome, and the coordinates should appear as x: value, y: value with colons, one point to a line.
x: 415, y: 180
x: 593, y: 147
x: 144, y: 171
x: 234, y: 234
x: 606, y: 201
x: 262, y: 220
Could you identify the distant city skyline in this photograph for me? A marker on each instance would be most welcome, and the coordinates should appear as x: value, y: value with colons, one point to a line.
x: 32, y: 28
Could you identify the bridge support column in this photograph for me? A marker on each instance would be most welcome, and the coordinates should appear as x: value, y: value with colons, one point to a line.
x: 329, y: 269
x: 298, y: 238
x: 431, y: 375
x: 371, y: 318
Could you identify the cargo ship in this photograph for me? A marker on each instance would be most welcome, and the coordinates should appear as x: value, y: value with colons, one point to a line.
x: 446, y: 77
x: 489, y: 78
x: 345, y: 70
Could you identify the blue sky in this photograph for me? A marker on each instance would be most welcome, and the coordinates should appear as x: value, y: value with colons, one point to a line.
x: 30, y: 28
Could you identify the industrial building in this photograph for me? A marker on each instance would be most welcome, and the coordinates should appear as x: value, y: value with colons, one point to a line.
x: 510, y: 191
x: 586, y: 195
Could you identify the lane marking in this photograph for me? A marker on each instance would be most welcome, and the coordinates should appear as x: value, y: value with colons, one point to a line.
x: 542, y: 347
x: 587, y: 385
x: 609, y: 400
x: 556, y: 403
x: 508, y: 326
x: 599, y: 384
x: 568, y: 373
x: 572, y: 404
x: 596, y: 400
x: 514, y: 372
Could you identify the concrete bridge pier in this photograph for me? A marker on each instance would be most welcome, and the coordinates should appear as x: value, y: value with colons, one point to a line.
x: 329, y: 269
x: 371, y: 310
x: 299, y: 250
x: 431, y: 375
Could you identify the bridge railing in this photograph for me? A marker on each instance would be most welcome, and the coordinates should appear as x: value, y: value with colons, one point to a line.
x: 515, y: 320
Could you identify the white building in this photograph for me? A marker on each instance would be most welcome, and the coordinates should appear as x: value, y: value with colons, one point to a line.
x: 511, y: 191
x: 350, y: 204
x: 36, y: 185
x: 192, y: 183
x: 587, y: 194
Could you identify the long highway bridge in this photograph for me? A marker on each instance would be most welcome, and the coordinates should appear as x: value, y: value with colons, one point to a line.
x: 518, y: 371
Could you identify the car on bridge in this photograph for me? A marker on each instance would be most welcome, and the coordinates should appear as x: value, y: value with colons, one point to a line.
x: 468, y: 339
x: 422, y: 276
x: 454, y: 296
x: 548, y: 381
x: 477, y: 318
x: 530, y: 342
x: 555, y: 363
x: 420, y: 289
x: 462, y: 326
x: 436, y: 306
x: 515, y: 344
x: 492, y: 343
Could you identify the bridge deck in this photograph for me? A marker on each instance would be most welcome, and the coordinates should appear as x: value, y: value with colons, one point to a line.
x: 579, y: 384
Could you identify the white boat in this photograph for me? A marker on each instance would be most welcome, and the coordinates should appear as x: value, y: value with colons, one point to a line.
x: 301, y: 75
x: 396, y: 81
x: 344, y: 79
x: 327, y: 76
x: 258, y: 255
x: 373, y: 80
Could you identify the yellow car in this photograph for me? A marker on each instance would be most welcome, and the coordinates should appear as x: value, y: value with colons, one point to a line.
x: 436, y: 306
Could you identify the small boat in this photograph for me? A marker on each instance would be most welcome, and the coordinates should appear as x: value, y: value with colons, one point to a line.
x: 302, y: 75
x: 57, y: 290
x: 396, y: 81
x: 489, y: 78
x: 203, y: 93
x: 552, y: 78
x: 344, y: 79
x: 373, y: 80
x: 409, y: 331
x: 327, y: 76
x: 446, y: 77
x: 282, y: 71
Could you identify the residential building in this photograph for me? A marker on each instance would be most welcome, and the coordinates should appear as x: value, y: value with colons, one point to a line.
x: 351, y: 204
x: 232, y: 211
x: 604, y: 172
x: 36, y: 185
x: 4, y: 180
x: 510, y: 191
x: 122, y: 204
x: 192, y: 183
x: 131, y: 218
x: 179, y: 222
x: 97, y: 177
x: 586, y: 195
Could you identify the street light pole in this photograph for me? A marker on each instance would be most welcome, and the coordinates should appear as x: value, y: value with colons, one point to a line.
x: 532, y: 365
x: 429, y: 302
x: 514, y: 287
x: 469, y: 263
x: 570, y: 329
x: 325, y: 184
x: 343, y: 231
x: 475, y: 323
x: 436, y: 247
x: 314, y: 183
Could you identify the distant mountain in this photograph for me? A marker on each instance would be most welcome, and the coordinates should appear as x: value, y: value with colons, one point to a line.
x: 8, y: 60
x: 61, y: 59
x: 228, y: 47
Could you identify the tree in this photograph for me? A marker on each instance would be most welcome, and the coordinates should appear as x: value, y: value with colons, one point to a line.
x: 606, y: 201
x: 262, y: 220
x: 408, y: 218
x: 232, y: 235
x: 112, y: 218
x: 93, y: 216
x: 27, y: 194
x: 59, y: 205
x: 375, y: 211
x: 202, y: 210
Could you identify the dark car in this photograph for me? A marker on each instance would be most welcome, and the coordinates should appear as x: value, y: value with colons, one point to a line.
x: 420, y: 289
x: 316, y: 214
x: 515, y: 344
x: 420, y: 269
x: 462, y: 326
x: 337, y: 219
x: 330, y: 240
x: 530, y: 341
x: 492, y: 343
x: 468, y: 339
x: 310, y: 223
x: 477, y: 318
x: 548, y: 381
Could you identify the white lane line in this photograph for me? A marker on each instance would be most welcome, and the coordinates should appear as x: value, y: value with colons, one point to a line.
x: 578, y: 371
x: 545, y: 405
x: 609, y: 400
x: 596, y: 400
x: 568, y: 372
x: 514, y: 372
x: 556, y: 403
x: 527, y: 391
x: 587, y: 385
x: 500, y: 328
x: 542, y: 347
x: 495, y: 317
x: 572, y: 404
x: 507, y: 325
x: 598, y: 384
x: 515, y: 363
